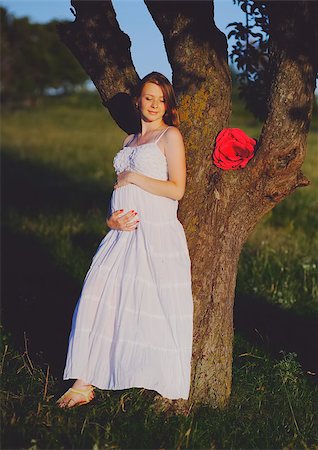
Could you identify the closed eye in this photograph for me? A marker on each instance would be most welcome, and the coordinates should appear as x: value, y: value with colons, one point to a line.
x: 162, y: 100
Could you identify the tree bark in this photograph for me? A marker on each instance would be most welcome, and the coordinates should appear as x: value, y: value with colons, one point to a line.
x: 103, y: 50
x: 220, y: 208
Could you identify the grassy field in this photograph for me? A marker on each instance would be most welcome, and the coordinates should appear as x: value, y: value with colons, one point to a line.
x: 57, y: 178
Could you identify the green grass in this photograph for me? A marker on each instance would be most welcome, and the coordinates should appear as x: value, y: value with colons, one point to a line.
x: 272, y: 406
x: 62, y: 150
x: 57, y: 179
x: 74, y: 135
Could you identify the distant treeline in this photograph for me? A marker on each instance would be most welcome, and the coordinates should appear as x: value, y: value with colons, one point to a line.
x: 34, y: 60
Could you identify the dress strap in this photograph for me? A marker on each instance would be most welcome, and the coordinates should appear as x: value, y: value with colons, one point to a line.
x: 161, y: 134
x: 130, y: 140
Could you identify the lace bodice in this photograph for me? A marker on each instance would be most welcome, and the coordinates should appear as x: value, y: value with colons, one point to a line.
x: 146, y: 158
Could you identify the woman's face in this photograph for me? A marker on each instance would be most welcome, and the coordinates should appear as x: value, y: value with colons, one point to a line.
x: 152, y: 104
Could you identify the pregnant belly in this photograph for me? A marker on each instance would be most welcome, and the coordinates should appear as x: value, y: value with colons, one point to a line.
x: 149, y: 207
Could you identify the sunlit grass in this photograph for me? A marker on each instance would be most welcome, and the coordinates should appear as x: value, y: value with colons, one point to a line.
x: 66, y: 135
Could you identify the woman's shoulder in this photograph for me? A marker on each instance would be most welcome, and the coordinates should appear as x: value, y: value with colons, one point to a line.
x: 172, y: 141
x: 172, y: 129
x: 173, y: 134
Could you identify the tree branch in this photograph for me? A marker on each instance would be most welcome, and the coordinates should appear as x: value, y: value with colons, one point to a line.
x: 282, y: 144
x: 275, y: 171
x: 188, y: 26
x: 104, y: 52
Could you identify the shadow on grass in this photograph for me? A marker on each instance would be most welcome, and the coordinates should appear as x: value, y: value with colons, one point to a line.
x: 38, y: 298
x: 275, y: 329
x: 35, y: 187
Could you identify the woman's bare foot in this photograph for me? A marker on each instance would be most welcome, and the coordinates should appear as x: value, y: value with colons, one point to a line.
x: 72, y: 398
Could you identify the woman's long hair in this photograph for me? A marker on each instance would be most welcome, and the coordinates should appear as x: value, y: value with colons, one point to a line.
x: 171, y: 116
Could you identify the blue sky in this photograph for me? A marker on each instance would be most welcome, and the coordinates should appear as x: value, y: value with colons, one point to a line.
x: 134, y: 19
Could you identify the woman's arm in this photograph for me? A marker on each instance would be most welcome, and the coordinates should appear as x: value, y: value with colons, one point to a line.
x: 174, y: 187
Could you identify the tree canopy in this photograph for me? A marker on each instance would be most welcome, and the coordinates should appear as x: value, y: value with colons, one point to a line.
x: 34, y: 59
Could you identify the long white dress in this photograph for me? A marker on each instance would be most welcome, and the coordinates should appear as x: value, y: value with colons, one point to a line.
x: 133, y: 323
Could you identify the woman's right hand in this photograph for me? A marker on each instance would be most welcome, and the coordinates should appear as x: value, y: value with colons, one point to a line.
x: 123, y: 222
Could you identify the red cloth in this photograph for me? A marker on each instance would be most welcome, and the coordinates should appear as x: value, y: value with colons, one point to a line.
x: 233, y: 149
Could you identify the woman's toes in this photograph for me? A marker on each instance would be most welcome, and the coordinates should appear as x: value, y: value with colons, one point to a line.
x: 71, y: 403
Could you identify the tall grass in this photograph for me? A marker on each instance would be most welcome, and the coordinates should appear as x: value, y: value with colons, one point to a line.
x: 272, y: 406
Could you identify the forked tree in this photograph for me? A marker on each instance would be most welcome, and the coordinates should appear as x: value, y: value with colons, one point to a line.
x: 220, y: 208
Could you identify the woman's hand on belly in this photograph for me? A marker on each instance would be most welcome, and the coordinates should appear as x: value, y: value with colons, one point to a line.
x: 122, y: 222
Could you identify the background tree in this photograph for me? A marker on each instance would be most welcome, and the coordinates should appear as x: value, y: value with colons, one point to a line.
x: 220, y: 208
x: 33, y: 60
x: 250, y: 55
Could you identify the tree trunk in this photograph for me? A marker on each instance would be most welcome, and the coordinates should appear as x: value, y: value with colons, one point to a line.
x: 220, y: 208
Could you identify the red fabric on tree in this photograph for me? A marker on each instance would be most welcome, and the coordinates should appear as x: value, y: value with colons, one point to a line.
x: 233, y: 149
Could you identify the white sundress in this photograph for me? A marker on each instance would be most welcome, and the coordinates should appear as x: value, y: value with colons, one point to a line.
x: 133, y: 322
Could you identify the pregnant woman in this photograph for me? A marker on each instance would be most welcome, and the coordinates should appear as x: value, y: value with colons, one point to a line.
x: 133, y: 323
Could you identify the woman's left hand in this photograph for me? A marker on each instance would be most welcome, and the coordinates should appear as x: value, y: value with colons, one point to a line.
x: 123, y: 178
